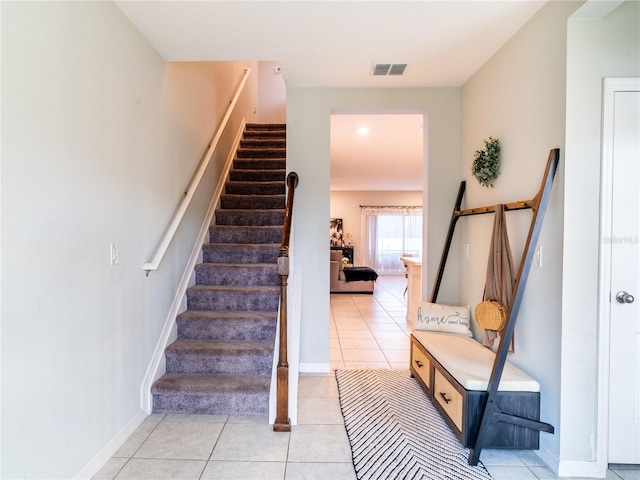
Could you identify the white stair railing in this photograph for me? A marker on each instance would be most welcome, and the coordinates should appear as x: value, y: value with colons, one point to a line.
x: 195, y: 182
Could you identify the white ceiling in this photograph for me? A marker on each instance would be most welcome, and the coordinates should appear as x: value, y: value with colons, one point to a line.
x: 334, y: 44
x: 388, y: 157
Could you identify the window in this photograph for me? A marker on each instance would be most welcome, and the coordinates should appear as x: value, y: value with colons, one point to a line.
x: 389, y: 232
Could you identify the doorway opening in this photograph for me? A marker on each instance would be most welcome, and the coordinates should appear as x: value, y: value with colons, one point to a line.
x: 378, y: 161
x: 378, y: 167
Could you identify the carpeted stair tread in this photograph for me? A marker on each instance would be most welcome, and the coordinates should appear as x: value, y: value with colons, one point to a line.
x: 247, y: 234
x: 200, y: 356
x: 260, y: 127
x: 227, y: 326
x: 263, y: 142
x: 271, y: 152
x: 259, y: 164
x: 268, y: 289
x: 254, y: 218
x: 242, y: 245
x: 212, y: 394
x: 252, y: 202
x: 252, y: 175
x: 279, y: 133
x: 275, y: 131
x: 200, y: 384
x: 228, y: 298
x: 252, y: 188
x: 240, y: 274
x: 209, y: 347
x: 240, y: 253
x: 212, y: 315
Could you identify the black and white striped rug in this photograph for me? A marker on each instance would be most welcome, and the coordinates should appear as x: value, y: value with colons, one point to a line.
x: 396, y: 433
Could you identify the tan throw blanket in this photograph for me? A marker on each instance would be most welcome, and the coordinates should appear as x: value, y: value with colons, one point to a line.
x: 500, y: 270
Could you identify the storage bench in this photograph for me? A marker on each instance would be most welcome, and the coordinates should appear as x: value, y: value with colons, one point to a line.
x: 454, y: 371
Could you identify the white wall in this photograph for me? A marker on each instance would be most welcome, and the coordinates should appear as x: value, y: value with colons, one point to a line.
x: 272, y: 94
x: 601, y: 43
x: 99, y: 140
x: 308, y: 141
x: 346, y: 205
x: 518, y: 96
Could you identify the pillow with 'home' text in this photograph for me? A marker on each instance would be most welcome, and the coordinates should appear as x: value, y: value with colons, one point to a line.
x: 436, y: 317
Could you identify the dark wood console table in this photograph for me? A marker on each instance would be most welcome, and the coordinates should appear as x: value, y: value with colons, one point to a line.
x: 346, y: 252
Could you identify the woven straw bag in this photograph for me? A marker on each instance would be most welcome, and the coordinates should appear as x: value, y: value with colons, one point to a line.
x: 491, y: 315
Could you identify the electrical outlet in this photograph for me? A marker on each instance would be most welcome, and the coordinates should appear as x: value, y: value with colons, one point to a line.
x: 466, y: 250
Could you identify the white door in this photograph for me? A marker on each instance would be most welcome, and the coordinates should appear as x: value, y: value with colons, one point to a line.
x: 624, y: 345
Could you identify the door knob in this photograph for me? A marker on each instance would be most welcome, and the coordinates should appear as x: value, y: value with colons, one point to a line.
x: 624, y: 297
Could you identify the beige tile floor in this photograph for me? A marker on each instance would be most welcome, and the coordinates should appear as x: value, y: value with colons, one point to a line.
x: 366, y: 331
x: 370, y: 330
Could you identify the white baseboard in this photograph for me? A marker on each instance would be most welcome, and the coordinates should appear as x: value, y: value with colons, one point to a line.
x: 571, y: 468
x: 111, y: 448
x: 581, y: 469
x: 548, y: 457
x: 315, y: 367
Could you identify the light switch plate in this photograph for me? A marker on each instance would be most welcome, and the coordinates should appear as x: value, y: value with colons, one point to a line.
x: 537, y: 257
x: 114, y: 254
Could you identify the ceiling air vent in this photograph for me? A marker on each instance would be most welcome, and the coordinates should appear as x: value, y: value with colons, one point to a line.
x: 388, y: 69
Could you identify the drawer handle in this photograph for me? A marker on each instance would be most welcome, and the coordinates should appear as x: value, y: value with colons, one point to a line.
x: 419, y: 363
x: 444, y: 397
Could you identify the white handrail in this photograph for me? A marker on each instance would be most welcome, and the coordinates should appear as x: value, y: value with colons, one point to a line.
x: 195, y: 181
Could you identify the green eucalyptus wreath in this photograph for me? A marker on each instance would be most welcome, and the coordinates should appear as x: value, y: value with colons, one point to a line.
x: 486, y: 162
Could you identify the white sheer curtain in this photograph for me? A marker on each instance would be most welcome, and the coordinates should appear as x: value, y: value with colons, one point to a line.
x: 388, y: 232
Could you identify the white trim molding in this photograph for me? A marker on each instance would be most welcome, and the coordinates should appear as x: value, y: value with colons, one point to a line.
x: 581, y: 469
x: 610, y: 86
x: 315, y: 367
x: 112, y: 447
x: 549, y: 458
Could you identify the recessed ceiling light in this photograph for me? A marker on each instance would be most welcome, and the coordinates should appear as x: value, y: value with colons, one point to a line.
x: 363, y: 130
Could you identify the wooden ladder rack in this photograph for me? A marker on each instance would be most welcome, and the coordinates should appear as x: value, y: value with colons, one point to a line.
x: 492, y: 414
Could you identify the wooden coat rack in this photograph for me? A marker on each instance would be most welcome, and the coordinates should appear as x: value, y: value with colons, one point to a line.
x: 492, y: 414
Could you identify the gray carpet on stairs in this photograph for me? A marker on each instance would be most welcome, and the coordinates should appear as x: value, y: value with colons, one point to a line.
x: 222, y: 360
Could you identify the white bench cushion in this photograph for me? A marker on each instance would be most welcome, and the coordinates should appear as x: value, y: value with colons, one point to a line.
x: 470, y: 363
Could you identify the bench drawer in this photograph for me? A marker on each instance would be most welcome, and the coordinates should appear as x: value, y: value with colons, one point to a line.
x: 421, y: 365
x: 451, y: 401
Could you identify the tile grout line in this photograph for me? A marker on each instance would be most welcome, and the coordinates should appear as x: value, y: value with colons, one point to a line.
x: 213, y: 448
x: 130, y: 457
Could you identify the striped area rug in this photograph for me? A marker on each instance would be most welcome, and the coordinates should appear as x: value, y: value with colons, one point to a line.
x: 396, y: 433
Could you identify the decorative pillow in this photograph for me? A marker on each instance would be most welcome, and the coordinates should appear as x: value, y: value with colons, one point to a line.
x: 443, y: 318
x: 335, y: 255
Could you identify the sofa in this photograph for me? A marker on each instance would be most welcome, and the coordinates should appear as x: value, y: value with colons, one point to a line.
x: 338, y: 281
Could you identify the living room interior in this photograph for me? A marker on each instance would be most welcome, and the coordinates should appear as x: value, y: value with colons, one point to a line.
x: 377, y: 161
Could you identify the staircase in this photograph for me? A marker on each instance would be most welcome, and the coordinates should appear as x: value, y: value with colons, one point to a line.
x: 222, y: 359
